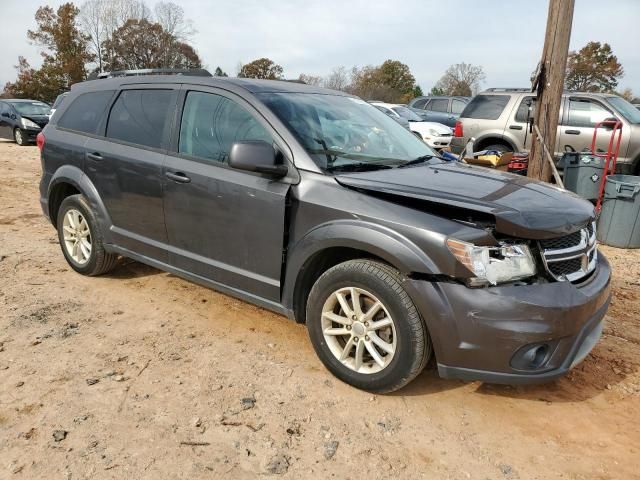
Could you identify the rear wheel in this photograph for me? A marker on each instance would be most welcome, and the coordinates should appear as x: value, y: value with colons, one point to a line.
x: 499, y: 147
x: 81, y: 238
x: 365, y: 328
x: 19, y: 137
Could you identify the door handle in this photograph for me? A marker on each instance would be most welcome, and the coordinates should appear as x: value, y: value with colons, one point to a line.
x: 95, y: 156
x: 515, y: 127
x: 178, y: 177
x: 572, y: 132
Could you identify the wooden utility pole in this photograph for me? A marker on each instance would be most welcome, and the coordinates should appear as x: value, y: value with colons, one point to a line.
x: 549, y: 85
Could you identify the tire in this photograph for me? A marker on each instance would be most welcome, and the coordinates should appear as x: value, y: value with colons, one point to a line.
x: 500, y: 147
x: 407, y: 335
x: 19, y: 137
x: 75, y: 215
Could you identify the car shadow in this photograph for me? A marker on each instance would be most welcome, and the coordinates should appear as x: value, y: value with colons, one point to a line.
x: 129, y: 269
x: 587, y: 380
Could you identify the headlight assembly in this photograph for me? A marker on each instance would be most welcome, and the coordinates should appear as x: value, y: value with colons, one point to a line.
x: 26, y: 123
x: 505, y: 263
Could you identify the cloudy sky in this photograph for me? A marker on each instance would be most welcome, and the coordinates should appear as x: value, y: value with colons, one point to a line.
x: 309, y: 36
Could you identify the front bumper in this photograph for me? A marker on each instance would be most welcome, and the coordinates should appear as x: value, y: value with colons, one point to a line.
x: 31, y: 133
x: 477, y: 333
x: 438, y: 142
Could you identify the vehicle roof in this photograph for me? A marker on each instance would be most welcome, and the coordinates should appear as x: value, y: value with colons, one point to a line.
x: 431, y: 97
x: 249, y: 84
x: 388, y: 105
x: 527, y: 92
x: 20, y: 100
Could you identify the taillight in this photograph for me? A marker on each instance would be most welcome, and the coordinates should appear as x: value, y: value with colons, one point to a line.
x: 457, y: 130
x: 40, y: 141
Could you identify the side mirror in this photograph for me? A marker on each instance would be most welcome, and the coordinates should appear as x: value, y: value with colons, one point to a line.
x: 256, y: 156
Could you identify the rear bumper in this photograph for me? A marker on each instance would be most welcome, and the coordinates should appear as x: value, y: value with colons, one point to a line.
x: 478, y: 334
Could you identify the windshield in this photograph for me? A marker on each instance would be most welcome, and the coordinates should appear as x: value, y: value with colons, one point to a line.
x: 628, y: 111
x: 404, y: 112
x: 340, y: 132
x: 31, y: 108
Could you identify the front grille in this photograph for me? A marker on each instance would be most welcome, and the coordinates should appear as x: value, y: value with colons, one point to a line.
x: 571, y: 257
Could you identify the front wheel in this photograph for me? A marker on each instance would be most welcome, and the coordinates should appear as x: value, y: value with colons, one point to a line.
x: 19, y: 137
x: 365, y: 328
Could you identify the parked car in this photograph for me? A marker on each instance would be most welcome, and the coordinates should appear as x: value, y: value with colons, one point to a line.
x: 57, y: 102
x: 314, y: 204
x: 497, y: 119
x: 445, y: 110
x: 21, y: 120
x: 391, y: 114
x: 434, y: 134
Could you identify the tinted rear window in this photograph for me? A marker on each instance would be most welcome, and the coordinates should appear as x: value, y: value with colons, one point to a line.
x: 85, y: 112
x: 138, y: 116
x: 487, y: 107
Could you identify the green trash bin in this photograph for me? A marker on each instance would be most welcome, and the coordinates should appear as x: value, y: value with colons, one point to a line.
x: 583, y: 174
x: 619, y: 222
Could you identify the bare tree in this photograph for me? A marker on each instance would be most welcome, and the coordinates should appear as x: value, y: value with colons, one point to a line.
x: 171, y: 17
x: 338, y: 79
x: 91, y: 20
x: 461, y: 79
x: 311, y: 79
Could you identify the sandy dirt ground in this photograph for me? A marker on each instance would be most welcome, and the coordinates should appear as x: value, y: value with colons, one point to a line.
x: 140, y: 374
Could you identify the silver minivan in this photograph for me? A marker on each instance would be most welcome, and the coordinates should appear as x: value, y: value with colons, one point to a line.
x: 497, y: 119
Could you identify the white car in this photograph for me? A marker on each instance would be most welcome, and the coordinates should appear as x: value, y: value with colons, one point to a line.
x: 436, y: 135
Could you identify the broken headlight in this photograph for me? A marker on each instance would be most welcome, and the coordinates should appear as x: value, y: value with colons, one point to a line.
x: 493, y: 265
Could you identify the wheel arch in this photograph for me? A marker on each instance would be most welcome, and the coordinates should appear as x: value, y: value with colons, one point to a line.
x: 484, y: 141
x: 70, y: 180
x: 337, y: 242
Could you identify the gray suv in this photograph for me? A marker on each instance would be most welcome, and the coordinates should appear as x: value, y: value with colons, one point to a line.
x: 314, y: 204
x: 445, y: 110
x: 497, y: 119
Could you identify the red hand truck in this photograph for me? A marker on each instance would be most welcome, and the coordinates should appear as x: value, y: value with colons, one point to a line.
x: 610, y: 156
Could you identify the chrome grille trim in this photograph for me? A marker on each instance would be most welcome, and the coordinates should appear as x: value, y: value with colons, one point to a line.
x: 585, y: 250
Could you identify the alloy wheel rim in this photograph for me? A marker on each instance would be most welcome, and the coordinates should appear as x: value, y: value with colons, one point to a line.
x: 77, y: 236
x: 18, y: 137
x: 359, y: 330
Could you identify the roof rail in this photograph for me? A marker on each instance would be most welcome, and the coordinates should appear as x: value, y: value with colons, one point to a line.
x: 499, y: 89
x: 197, y: 72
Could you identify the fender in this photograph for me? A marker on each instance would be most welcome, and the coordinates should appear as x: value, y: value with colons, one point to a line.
x: 373, y: 238
x: 74, y: 176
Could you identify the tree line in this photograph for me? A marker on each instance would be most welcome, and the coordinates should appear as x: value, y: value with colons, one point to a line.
x: 108, y: 35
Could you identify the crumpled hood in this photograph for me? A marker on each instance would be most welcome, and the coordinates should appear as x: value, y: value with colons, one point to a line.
x: 521, y: 207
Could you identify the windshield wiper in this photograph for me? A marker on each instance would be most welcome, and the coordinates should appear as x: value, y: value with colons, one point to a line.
x: 357, y: 167
x: 416, y: 161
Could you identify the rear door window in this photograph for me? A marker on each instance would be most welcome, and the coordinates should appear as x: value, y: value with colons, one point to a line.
x: 523, y: 113
x: 486, y: 107
x: 86, y: 111
x: 139, y: 116
x: 211, y: 124
x: 439, y: 105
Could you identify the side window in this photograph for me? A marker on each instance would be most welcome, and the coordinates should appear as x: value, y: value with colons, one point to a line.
x: 420, y: 104
x: 486, y: 107
x: 439, y: 105
x: 3, y: 108
x: 138, y: 116
x: 86, y: 111
x: 457, y: 106
x: 585, y: 113
x: 211, y: 124
x: 523, y: 113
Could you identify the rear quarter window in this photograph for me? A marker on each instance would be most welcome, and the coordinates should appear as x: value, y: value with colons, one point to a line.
x: 486, y: 107
x: 86, y: 111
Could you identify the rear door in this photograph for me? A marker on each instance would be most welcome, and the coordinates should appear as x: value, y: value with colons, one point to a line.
x: 438, y: 109
x: 225, y: 225
x: 125, y: 165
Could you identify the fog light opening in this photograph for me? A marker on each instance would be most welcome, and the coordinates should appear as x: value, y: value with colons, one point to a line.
x: 531, y: 357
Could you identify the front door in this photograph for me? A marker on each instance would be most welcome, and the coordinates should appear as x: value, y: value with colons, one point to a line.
x: 578, y: 125
x: 126, y: 168
x: 224, y: 225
